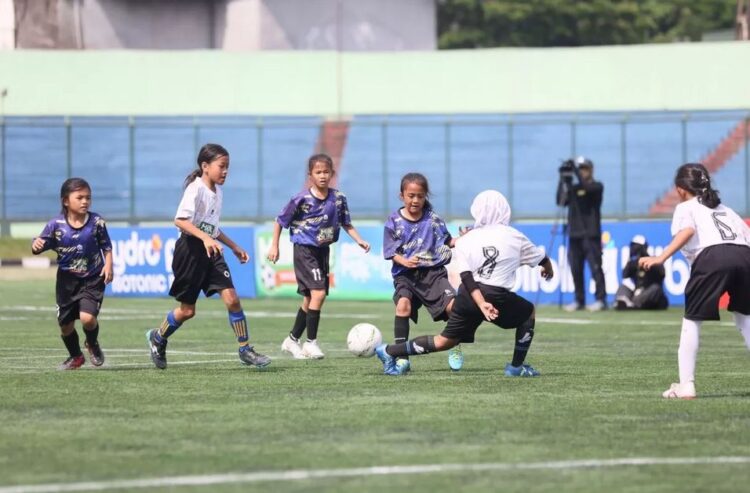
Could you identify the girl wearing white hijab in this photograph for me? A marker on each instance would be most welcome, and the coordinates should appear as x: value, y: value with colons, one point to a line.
x: 487, y: 257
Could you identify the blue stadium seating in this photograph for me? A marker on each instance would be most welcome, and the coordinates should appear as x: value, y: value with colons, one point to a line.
x: 460, y: 154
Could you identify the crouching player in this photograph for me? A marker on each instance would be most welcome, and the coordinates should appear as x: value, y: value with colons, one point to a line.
x: 488, y: 257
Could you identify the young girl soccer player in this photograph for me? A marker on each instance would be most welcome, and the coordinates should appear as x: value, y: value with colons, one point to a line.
x: 419, y: 244
x: 314, y: 218
x: 716, y: 242
x: 487, y: 257
x: 84, y: 266
x: 198, y: 262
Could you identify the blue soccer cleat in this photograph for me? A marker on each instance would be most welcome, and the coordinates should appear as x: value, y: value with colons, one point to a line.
x: 456, y: 358
x: 389, y: 362
x: 520, y: 371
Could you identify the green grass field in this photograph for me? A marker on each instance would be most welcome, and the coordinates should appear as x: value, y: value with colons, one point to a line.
x: 206, y: 416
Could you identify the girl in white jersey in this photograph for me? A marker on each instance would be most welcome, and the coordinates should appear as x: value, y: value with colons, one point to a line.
x: 716, y: 242
x: 198, y: 263
x: 487, y: 258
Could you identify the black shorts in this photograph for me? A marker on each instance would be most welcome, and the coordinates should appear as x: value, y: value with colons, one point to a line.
x: 467, y: 317
x: 195, y: 271
x: 311, y: 268
x: 74, y: 295
x: 718, y: 269
x: 428, y: 287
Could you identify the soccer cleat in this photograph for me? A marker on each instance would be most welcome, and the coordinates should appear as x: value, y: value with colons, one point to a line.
x: 680, y: 391
x: 456, y: 358
x: 72, y: 363
x: 573, y: 307
x: 520, y: 371
x: 158, y: 350
x: 96, y: 356
x: 597, y: 306
x: 389, y: 362
x: 311, y: 350
x: 251, y: 358
x: 292, y: 347
x: 403, y: 366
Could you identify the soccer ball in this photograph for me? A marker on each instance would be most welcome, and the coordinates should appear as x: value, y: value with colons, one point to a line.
x: 363, y: 339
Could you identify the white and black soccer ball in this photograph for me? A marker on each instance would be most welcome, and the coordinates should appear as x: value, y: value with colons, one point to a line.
x: 363, y: 339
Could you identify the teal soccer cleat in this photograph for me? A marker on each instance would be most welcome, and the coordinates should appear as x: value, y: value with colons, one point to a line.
x: 520, y: 371
x: 403, y: 366
x: 456, y: 358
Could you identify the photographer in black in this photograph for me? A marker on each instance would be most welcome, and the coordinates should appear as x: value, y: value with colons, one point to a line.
x: 582, y: 195
x: 641, y: 289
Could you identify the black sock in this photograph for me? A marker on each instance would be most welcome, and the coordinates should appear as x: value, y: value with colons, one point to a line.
x: 524, y: 336
x: 92, y: 335
x: 418, y: 345
x: 72, y: 344
x: 401, y: 331
x: 313, y: 319
x: 299, y: 325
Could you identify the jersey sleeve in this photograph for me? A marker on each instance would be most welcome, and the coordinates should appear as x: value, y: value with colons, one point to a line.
x: 391, y: 243
x: 529, y: 253
x: 344, y: 216
x: 48, y: 235
x: 186, y: 209
x: 682, y: 219
x: 461, y: 259
x: 287, y: 213
x: 102, y: 235
x: 444, y: 231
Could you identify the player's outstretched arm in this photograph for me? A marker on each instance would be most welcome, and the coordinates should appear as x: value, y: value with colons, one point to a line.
x: 679, y: 241
x: 273, y: 250
x: 238, y: 251
x: 354, y: 234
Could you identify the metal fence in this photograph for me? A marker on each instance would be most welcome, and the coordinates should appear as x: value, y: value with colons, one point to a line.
x: 136, y: 165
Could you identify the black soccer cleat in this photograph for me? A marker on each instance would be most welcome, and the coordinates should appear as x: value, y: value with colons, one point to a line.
x: 158, y: 350
x: 251, y: 358
x: 96, y: 356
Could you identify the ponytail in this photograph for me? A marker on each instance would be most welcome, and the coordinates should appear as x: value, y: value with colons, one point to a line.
x: 207, y: 154
x: 694, y: 178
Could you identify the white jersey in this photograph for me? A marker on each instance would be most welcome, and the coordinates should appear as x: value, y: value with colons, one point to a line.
x: 201, y: 206
x: 712, y: 227
x: 494, y: 253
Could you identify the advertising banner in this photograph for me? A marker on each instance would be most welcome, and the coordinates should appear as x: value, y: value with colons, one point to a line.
x: 360, y: 276
x: 142, y: 258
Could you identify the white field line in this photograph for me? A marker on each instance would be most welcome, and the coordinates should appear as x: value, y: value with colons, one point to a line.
x: 312, y: 474
x: 126, y: 365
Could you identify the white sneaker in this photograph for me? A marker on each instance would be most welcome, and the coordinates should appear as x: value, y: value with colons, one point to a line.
x: 311, y: 350
x: 680, y: 391
x: 292, y: 347
x: 597, y: 306
x: 572, y: 307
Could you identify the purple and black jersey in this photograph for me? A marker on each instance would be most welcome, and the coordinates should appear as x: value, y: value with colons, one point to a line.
x: 315, y: 222
x: 427, y: 239
x: 79, y: 250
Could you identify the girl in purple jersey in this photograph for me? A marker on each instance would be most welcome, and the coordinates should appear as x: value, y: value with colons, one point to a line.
x: 84, y: 266
x: 314, y: 217
x: 417, y: 240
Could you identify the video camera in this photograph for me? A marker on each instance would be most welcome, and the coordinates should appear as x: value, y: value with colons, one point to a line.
x: 568, y: 171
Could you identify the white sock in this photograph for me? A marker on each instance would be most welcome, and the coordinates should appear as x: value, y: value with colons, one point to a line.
x: 743, y: 324
x: 688, y: 351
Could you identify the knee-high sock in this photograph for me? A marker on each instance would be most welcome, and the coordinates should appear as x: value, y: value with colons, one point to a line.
x: 238, y: 322
x: 168, y: 326
x: 72, y: 344
x: 92, y: 335
x: 688, y: 351
x: 524, y: 336
x: 300, y: 322
x: 414, y: 347
x: 743, y: 324
x: 313, y: 319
